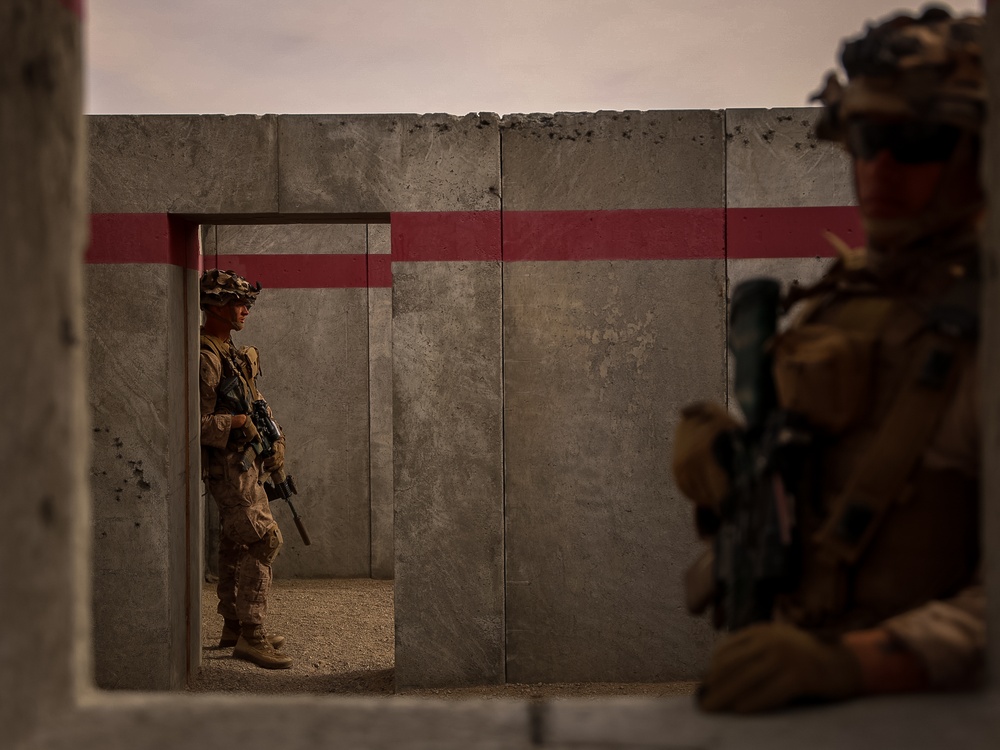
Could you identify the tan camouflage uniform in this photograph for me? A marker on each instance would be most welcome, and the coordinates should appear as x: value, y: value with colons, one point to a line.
x: 916, y: 574
x: 249, y: 535
x: 925, y: 567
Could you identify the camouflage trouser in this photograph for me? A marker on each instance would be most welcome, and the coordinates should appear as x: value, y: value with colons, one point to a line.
x: 249, y: 540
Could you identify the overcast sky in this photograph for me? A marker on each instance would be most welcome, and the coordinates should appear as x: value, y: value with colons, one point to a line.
x: 460, y: 56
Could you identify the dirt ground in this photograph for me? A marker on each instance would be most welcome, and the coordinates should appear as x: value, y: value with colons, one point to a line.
x: 340, y: 634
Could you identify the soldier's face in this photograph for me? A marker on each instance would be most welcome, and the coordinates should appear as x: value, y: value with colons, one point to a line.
x: 899, y: 165
x: 889, y: 188
x: 238, y: 313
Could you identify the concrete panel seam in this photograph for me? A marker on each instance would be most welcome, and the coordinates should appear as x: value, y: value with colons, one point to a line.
x: 503, y: 409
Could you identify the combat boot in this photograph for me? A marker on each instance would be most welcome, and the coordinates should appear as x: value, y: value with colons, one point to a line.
x: 252, y: 646
x: 231, y: 634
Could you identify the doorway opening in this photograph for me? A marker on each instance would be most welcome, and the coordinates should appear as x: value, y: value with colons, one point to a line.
x: 322, y: 325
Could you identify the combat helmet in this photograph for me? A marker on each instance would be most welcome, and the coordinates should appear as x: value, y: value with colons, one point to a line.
x: 222, y: 287
x: 928, y: 68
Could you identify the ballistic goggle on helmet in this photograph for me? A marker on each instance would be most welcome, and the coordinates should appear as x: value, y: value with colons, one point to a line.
x: 927, y: 69
x: 222, y: 287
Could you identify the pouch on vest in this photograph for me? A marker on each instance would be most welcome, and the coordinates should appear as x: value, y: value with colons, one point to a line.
x: 695, y: 462
x: 823, y: 373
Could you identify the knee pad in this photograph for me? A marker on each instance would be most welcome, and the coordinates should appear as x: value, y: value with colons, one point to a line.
x: 266, y: 549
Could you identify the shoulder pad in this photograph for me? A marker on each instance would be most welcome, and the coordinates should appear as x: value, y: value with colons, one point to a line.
x: 252, y: 356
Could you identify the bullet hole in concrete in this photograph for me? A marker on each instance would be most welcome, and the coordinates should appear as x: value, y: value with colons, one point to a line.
x: 97, y: 429
x: 137, y: 524
x: 798, y: 146
x: 119, y: 489
x: 627, y: 134
x: 805, y: 123
x: 104, y: 535
x: 144, y: 485
x: 784, y: 118
x: 47, y: 510
x: 768, y: 135
x: 117, y: 442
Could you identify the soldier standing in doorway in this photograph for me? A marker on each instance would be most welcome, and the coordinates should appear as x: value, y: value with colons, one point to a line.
x: 234, y: 475
x: 843, y: 512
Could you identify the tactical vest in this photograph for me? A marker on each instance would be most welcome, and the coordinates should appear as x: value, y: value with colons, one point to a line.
x: 243, y: 363
x: 875, y: 371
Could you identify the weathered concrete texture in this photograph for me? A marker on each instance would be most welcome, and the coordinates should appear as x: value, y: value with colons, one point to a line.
x: 448, y: 473
x: 598, y: 359
x: 292, y: 723
x: 140, y: 392
x: 990, y: 350
x: 380, y: 163
x: 380, y: 409
x: 613, y: 160
x: 773, y: 159
x: 283, y: 239
x: 921, y: 723
x: 44, y: 591
x: 183, y: 164
x: 314, y: 362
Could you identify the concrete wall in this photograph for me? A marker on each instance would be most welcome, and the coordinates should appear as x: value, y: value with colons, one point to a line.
x: 599, y: 353
x: 549, y: 315
x: 44, y: 591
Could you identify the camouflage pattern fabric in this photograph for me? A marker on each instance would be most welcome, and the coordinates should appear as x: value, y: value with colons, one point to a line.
x: 928, y: 68
x: 249, y: 536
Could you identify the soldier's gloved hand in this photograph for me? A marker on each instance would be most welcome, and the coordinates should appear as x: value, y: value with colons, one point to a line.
x: 250, y: 431
x: 769, y: 665
x: 695, y: 460
x: 277, y: 461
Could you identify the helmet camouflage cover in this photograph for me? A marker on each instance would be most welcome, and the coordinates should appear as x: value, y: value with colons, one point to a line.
x: 926, y: 68
x: 222, y: 287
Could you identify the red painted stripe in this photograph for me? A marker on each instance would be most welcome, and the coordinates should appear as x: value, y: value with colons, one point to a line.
x: 379, y: 270
x: 293, y: 271
x: 142, y: 238
x: 446, y: 235
x: 790, y: 232
x: 641, y: 234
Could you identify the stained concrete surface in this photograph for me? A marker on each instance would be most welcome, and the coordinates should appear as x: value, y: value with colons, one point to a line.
x: 351, y: 164
x: 212, y: 164
x: 448, y: 473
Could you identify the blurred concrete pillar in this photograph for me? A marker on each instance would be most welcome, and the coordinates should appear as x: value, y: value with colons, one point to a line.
x: 44, y: 441
x: 990, y: 347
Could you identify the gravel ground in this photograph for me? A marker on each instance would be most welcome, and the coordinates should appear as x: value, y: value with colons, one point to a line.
x: 339, y: 632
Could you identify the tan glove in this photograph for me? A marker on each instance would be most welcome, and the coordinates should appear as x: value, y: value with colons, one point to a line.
x: 695, y: 466
x: 277, y: 461
x: 767, y: 666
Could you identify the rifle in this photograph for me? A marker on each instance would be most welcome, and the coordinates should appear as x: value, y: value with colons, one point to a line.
x: 756, y: 544
x: 278, y: 485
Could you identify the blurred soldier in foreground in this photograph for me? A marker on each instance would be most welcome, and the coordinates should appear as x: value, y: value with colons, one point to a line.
x: 843, y: 513
x: 234, y: 471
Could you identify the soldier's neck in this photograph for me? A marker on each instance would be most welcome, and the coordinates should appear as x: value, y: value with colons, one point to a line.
x: 217, y: 327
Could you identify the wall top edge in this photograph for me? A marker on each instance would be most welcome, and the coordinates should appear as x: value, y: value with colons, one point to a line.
x: 443, y: 115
